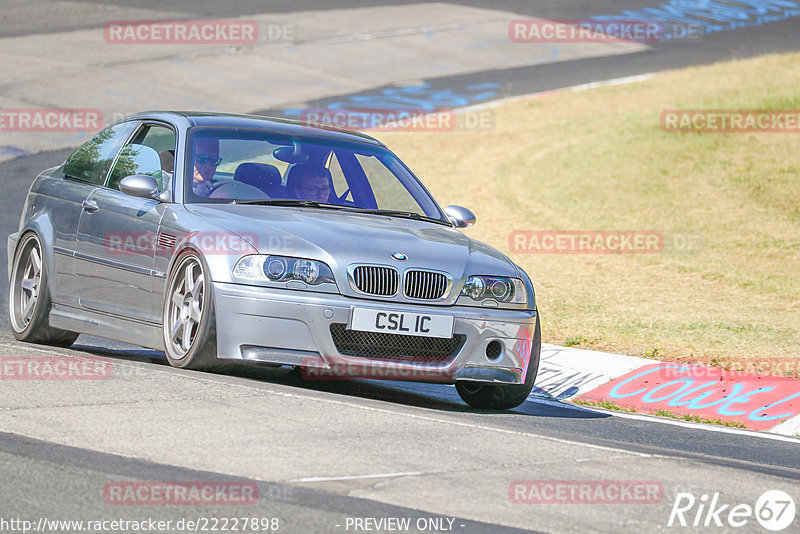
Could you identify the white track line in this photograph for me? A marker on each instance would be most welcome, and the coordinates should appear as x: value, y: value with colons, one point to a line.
x: 695, y: 426
x: 542, y: 94
x: 355, y: 477
x: 624, y: 415
x: 551, y: 402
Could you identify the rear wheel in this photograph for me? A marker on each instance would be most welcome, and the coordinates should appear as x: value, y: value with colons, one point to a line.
x: 29, y: 298
x: 189, y: 326
x: 494, y: 397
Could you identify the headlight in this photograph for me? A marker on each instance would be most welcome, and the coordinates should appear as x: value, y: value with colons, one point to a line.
x: 499, y: 288
x: 306, y: 270
x: 474, y: 288
x: 283, y: 269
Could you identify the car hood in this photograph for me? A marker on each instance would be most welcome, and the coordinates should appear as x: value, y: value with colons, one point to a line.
x: 341, y: 238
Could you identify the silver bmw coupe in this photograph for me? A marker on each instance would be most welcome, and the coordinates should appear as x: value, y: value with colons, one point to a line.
x: 229, y: 237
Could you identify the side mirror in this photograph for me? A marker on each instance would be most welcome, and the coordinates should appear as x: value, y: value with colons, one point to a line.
x: 139, y: 185
x: 459, y: 216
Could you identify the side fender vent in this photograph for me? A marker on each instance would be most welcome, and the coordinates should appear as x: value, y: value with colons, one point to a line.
x: 165, y: 242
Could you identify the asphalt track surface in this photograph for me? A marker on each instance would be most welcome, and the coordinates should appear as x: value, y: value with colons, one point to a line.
x: 38, y: 17
x: 61, y: 476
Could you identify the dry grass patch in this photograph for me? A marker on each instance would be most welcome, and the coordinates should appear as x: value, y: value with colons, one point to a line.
x: 598, y: 160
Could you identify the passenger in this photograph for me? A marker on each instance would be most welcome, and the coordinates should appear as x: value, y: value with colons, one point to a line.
x: 309, y: 182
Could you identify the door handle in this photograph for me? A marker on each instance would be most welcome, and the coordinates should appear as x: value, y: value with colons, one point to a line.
x: 89, y: 205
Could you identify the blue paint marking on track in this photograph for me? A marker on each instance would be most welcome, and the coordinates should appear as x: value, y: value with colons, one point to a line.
x: 710, y: 15
x: 421, y: 97
x: 734, y: 394
x: 681, y: 19
x: 16, y: 152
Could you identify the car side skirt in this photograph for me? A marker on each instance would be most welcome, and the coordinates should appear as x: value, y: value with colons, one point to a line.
x: 108, y: 326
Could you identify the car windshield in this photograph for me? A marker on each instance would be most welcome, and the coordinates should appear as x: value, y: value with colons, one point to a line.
x: 252, y: 166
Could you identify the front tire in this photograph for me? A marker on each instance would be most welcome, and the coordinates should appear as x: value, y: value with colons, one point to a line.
x: 189, y: 325
x: 29, y: 297
x: 494, y: 397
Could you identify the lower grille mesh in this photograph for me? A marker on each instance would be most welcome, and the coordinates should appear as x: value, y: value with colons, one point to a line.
x: 395, y: 347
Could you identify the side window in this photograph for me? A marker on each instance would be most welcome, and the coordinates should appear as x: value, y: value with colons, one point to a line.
x: 150, y: 152
x: 90, y: 163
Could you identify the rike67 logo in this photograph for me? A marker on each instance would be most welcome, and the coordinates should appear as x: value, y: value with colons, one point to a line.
x: 774, y: 510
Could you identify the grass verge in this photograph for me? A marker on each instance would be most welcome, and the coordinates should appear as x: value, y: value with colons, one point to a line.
x: 608, y: 405
x: 599, y: 160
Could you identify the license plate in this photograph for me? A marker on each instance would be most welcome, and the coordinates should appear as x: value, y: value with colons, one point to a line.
x: 404, y: 323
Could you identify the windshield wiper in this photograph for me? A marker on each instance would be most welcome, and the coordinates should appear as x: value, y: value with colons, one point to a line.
x: 404, y: 214
x: 354, y: 209
x: 289, y: 202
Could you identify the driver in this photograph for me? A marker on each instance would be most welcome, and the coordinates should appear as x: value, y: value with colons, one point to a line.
x: 309, y: 182
x: 205, y: 161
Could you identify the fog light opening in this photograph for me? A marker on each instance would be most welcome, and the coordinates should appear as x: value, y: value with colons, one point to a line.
x: 494, y: 350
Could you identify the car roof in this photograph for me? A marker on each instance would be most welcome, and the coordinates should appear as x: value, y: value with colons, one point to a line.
x: 234, y: 120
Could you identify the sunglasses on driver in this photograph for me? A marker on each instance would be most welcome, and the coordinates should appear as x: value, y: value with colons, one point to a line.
x: 205, y: 159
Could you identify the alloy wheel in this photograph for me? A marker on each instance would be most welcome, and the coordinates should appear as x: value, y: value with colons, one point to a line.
x: 185, y: 309
x: 26, y: 284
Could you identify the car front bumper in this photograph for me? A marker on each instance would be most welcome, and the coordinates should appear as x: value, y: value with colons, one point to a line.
x: 293, y: 327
